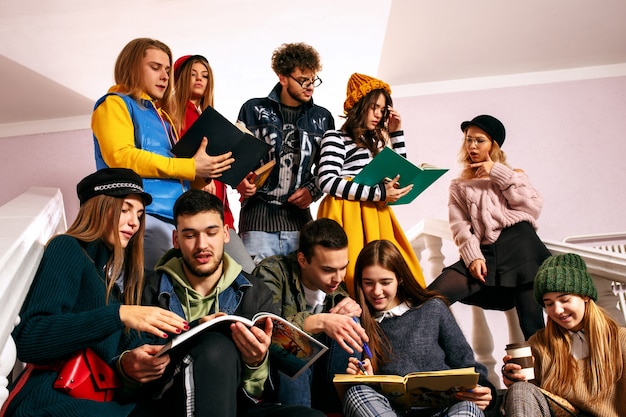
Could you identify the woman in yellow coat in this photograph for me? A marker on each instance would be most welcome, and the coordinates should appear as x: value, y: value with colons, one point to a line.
x: 371, y: 124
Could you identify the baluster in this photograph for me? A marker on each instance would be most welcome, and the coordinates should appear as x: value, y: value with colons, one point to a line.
x: 482, y: 343
x: 8, y: 357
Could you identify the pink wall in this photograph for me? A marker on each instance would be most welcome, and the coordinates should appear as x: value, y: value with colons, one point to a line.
x: 567, y: 136
x: 52, y: 160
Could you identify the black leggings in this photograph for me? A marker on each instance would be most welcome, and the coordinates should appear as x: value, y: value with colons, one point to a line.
x: 456, y: 286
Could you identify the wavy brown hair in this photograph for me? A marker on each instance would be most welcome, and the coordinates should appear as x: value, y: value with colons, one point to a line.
x: 182, y: 92
x: 385, y: 254
x: 356, y: 119
x: 95, y: 219
x: 604, y: 363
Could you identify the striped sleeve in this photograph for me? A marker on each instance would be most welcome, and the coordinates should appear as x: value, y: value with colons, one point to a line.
x: 340, y: 160
x: 397, y: 142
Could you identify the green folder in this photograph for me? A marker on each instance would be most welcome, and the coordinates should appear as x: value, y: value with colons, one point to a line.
x: 388, y: 164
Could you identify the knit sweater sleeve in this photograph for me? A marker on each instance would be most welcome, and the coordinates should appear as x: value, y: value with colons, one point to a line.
x: 337, y: 162
x: 461, y: 227
x: 65, y: 309
x: 113, y: 129
x: 459, y: 354
x: 520, y: 195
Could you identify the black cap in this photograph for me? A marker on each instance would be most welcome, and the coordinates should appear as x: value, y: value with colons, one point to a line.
x: 116, y: 182
x: 492, y: 126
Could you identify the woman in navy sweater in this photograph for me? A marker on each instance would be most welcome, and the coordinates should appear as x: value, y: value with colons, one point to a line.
x: 410, y: 330
x: 86, y: 294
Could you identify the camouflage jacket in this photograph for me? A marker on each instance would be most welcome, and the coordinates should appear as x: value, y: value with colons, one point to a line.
x: 281, y: 273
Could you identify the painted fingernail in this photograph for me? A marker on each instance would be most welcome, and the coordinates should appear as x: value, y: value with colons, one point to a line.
x: 165, y: 336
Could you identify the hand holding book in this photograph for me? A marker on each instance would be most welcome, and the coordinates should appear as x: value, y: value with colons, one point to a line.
x: 393, y: 191
x: 389, y: 165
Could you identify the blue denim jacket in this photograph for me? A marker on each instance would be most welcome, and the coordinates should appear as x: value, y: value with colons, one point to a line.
x: 262, y: 116
x: 229, y: 299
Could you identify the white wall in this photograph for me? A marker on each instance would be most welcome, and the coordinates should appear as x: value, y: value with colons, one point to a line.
x: 51, y: 160
x: 567, y: 136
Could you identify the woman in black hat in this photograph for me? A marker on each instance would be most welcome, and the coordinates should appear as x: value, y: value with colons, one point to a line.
x: 86, y: 294
x: 492, y: 213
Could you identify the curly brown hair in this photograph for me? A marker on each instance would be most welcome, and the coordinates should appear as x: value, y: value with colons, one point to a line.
x: 288, y: 56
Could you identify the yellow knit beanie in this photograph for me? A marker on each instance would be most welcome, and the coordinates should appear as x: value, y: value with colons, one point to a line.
x: 358, y: 87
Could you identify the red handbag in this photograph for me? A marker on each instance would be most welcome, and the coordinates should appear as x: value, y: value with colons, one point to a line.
x: 86, y: 376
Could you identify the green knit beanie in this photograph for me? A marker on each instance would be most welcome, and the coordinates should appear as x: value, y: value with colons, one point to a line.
x: 564, y: 273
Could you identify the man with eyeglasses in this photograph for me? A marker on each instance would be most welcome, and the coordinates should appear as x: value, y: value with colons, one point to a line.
x: 287, y: 119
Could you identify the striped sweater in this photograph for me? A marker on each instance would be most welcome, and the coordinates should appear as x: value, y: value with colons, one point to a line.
x: 341, y: 160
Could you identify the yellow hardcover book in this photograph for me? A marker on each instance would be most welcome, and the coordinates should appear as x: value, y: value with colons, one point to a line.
x: 417, y: 389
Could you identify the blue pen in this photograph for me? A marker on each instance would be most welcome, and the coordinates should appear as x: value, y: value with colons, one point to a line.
x: 366, y: 348
x: 361, y: 367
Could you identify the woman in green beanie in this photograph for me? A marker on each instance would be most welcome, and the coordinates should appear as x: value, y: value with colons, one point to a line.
x: 579, y: 357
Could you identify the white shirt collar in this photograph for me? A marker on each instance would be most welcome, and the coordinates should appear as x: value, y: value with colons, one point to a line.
x: 397, y: 311
x: 314, y: 298
x: 580, y: 344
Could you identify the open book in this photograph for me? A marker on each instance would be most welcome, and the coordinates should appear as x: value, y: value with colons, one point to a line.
x: 417, y: 389
x: 388, y: 164
x: 223, y: 136
x: 292, y: 350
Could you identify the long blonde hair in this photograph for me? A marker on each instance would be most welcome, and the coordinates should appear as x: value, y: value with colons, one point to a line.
x: 496, y: 154
x: 129, y: 74
x: 95, y: 219
x: 558, y: 367
x: 182, y: 92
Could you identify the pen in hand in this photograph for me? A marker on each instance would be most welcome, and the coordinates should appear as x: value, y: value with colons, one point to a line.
x: 366, y: 349
x: 361, y: 367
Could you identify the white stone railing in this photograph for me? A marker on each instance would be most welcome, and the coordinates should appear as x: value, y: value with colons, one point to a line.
x: 26, y: 224
x: 489, y: 331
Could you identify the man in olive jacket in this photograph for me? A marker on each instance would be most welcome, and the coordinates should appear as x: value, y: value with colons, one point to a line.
x: 308, y: 286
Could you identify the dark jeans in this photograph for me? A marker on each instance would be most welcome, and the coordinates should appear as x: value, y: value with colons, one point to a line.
x: 206, y: 373
x: 315, y: 387
x: 203, y: 376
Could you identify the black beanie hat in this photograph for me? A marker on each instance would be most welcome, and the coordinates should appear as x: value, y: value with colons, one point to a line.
x: 566, y: 273
x: 492, y: 126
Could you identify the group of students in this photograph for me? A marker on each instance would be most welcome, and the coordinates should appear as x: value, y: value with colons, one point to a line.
x: 90, y: 286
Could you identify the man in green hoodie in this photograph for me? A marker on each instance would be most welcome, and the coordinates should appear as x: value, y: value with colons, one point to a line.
x: 223, y: 372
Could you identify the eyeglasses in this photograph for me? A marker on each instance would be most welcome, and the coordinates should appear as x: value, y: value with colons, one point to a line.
x: 476, y: 141
x: 306, y: 83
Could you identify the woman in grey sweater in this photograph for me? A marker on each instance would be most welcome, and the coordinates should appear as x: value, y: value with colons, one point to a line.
x: 410, y: 330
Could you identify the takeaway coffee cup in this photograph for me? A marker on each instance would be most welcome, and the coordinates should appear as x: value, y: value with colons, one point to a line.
x: 522, y: 355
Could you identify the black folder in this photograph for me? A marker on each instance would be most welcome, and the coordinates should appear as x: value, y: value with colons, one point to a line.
x: 223, y: 136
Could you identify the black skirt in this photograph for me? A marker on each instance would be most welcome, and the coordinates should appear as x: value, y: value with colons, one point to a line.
x: 512, y: 262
